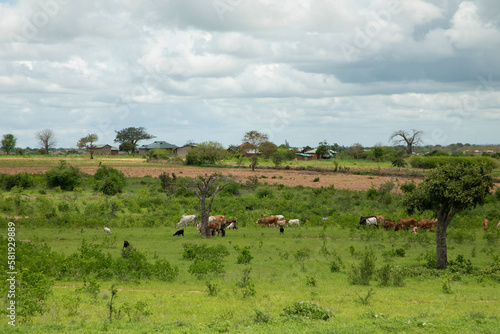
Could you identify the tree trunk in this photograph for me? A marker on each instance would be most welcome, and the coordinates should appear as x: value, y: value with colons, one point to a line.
x: 441, y: 248
x: 204, y: 218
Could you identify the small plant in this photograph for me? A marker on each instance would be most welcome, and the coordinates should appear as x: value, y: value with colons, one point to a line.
x: 301, y: 256
x: 310, y: 280
x: 247, y: 286
x: 365, y: 300
x: 306, y: 310
x: 316, y: 179
x: 261, y: 318
x: 362, y: 274
x: 212, y: 289
x: 244, y: 256
x: 352, y: 250
x: 446, y: 287
x: 384, y: 275
x: 113, y: 291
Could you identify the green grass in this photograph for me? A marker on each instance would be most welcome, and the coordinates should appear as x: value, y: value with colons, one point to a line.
x: 184, y: 305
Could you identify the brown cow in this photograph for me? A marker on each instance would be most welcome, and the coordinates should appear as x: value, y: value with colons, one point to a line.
x: 212, y: 227
x: 380, y: 220
x: 407, y: 223
x: 486, y: 222
x: 271, y: 220
x: 388, y: 224
x: 427, y: 224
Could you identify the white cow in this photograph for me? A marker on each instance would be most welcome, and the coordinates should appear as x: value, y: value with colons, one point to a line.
x: 230, y: 226
x: 185, y: 220
x: 107, y: 230
x: 280, y: 217
x: 294, y: 221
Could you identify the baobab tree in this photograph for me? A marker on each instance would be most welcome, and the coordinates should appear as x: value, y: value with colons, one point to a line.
x: 409, y: 140
x: 46, y: 138
x: 207, y: 187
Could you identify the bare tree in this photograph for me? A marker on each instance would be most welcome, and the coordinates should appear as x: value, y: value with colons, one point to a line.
x: 207, y: 187
x: 410, y: 140
x: 47, y: 139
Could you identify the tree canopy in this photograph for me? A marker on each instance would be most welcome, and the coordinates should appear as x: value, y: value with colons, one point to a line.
x: 254, y: 140
x: 132, y: 135
x: 448, y: 190
x: 8, y: 143
x: 87, y: 142
x: 206, y: 152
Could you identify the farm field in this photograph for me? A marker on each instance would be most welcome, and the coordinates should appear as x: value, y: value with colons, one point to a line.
x: 279, y: 279
x: 327, y: 276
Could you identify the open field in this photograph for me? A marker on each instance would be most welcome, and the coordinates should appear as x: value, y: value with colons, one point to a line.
x: 137, y: 167
x: 280, y: 279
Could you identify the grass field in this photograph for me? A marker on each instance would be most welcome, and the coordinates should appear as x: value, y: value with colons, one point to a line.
x: 470, y: 305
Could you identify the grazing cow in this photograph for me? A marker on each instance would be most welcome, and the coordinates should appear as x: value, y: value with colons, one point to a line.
x: 282, y: 229
x: 388, y: 224
x: 427, y: 224
x: 212, y: 227
x: 185, y: 220
x: 180, y: 232
x: 407, y: 223
x: 231, y: 226
x: 271, y: 220
x: 107, y: 230
x: 280, y: 217
x: 369, y: 221
x: 486, y: 222
x: 230, y: 222
x: 380, y: 220
x: 125, y: 244
x: 414, y: 230
x: 293, y: 222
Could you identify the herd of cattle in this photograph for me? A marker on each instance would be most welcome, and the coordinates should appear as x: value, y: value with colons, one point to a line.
x: 406, y: 223
x: 403, y: 223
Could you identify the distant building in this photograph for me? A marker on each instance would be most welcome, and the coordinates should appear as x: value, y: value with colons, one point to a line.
x: 106, y: 150
x: 183, y: 150
x: 248, y: 152
x: 171, y: 148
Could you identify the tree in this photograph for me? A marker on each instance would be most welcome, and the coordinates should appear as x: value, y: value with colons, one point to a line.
x: 126, y: 147
x: 88, y: 143
x: 267, y: 149
x: 282, y: 154
x: 448, y: 190
x: 8, y: 143
x: 206, y: 152
x: 254, y: 140
x: 132, y: 135
x: 357, y: 151
x: 323, y: 148
x: 46, y: 139
x: 410, y: 140
x: 207, y: 187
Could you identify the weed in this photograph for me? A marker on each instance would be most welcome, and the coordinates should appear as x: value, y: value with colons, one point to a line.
x: 306, y: 310
x: 261, y: 318
x: 212, y: 289
x: 365, y: 300
x: 362, y: 274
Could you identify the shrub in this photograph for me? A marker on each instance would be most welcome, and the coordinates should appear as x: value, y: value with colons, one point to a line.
x: 244, y: 256
x: 306, y: 310
x: 65, y: 176
x: 157, y: 154
x: 434, y: 161
x: 109, y: 180
x: 265, y: 193
x: 362, y: 274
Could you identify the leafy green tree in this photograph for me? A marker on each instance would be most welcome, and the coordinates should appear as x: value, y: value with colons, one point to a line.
x: 65, y: 176
x: 323, y: 148
x: 206, y: 152
x: 357, y: 151
x: 281, y: 155
x: 88, y: 142
x: 448, y: 190
x: 8, y: 143
x: 267, y: 149
x: 407, y: 139
x: 46, y: 139
x: 377, y: 152
x: 109, y: 180
x: 126, y: 147
x: 254, y: 140
x: 132, y: 135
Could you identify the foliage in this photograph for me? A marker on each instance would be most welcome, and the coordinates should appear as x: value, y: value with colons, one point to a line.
x: 254, y: 139
x: 306, y: 310
x: 244, y: 256
x: 432, y: 162
x: 206, y: 153
x: 363, y: 273
x: 33, y: 289
x: 205, y: 260
x: 109, y: 180
x: 65, y: 176
x: 267, y: 149
x: 132, y: 135
x: 158, y: 154
x: 19, y: 180
x: 168, y: 183
x: 246, y: 285
x: 88, y: 143
x: 8, y: 143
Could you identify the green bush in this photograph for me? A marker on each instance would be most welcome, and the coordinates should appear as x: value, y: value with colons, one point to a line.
x: 65, y: 176
x: 109, y: 180
x: 306, y: 310
x: 434, y: 161
x: 20, y: 180
x: 362, y: 274
x: 158, y: 154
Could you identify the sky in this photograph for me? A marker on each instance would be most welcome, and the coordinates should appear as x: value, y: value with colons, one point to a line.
x: 301, y: 71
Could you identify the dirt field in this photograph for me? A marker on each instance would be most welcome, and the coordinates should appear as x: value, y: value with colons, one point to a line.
x: 271, y: 176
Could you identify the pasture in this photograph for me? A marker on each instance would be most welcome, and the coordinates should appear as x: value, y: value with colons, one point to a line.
x: 426, y: 300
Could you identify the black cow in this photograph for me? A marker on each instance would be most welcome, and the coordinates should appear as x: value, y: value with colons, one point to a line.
x: 282, y: 229
x: 125, y: 244
x: 180, y: 232
x: 369, y: 220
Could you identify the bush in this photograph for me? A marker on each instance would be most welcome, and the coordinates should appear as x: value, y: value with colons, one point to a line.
x: 109, y: 180
x: 434, y: 161
x: 158, y: 154
x: 306, y: 310
x: 65, y: 176
x: 20, y: 180
x: 362, y: 274
x: 264, y: 193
